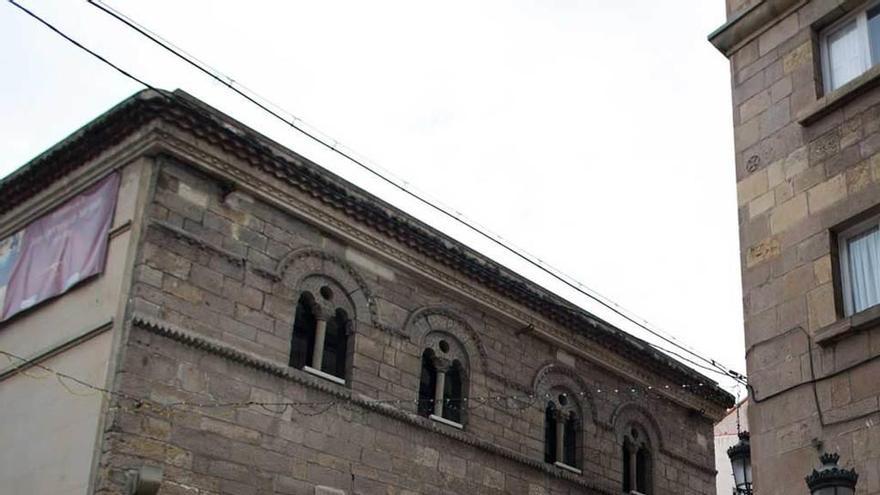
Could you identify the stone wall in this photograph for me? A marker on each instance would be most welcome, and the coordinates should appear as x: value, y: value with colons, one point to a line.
x: 806, y: 166
x: 216, y: 284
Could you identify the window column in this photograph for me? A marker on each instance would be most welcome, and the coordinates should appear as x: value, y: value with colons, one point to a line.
x: 318, y: 351
x: 441, y: 366
x: 560, y: 435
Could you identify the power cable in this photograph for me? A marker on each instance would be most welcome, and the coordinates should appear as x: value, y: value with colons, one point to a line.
x: 78, y: 44
x: 264, y: 104
x: 565, y: 279
x: 522, y: 400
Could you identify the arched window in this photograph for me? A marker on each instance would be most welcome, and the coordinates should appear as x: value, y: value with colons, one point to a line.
x: 319, y: 343
x: 636, y: 462
x: 562, y: 433
x: 442, y: 385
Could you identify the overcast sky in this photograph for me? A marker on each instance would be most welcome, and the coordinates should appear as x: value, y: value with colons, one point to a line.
x: 594, y: 134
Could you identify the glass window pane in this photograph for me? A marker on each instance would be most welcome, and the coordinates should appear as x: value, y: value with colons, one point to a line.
x: 864, y: 269
x: 845, y: 54
x: 874, y: 33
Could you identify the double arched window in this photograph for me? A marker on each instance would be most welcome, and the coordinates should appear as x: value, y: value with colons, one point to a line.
x: 562, y: 426
x: 636, y: 461
x: 443, y: 381
x: 321, y: 329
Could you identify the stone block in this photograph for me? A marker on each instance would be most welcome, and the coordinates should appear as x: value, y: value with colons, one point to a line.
x: 765, y: 250
x: 452, y: 465
x: 752, y: 186
x: 825, y: 146
x: 761, y: 204
x: 820, y: 306
x: 800, y: 56
x: 776, y: 117
x: 775, y: 173
x: 788, y: 214
x: 822, y: 270
x: 780, y: 89
x: 426, y: 456
x: 798, y: 281
x: 777, y: 34
x: 827, y: 193
x: 754, y: 106
x: 326, y: 490
x: 858, y: 177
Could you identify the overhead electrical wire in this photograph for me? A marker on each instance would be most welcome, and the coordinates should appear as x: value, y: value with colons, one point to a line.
x: 264, y: 104
x: 513, y: 403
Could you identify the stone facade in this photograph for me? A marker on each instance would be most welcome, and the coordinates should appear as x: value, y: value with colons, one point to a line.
x: 234, y: 228
x: 807, y: 168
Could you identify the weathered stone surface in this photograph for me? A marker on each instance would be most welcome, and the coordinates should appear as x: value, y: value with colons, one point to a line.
x: 788, y: 214
x: 823, y: 178
x: 235, y: 234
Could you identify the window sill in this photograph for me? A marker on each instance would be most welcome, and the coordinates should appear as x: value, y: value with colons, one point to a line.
x: 562, y: 465
x: 840, y: 96
x: 445, y: 421
x: 321, y: 374
x: 844, y: 327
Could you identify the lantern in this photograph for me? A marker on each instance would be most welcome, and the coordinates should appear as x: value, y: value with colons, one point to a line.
x: 830, y: 479
x: 741, y: 460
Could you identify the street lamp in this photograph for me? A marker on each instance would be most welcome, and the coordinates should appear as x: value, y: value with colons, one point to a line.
x: 830, y: 479
x: 741, y: 460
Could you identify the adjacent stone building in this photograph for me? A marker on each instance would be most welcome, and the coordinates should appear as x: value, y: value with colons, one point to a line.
x: 262, y: 326
x: 806, y: 110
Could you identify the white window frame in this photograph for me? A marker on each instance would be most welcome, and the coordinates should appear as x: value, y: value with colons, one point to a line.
x: 843, y: 239
x: 861, y: 18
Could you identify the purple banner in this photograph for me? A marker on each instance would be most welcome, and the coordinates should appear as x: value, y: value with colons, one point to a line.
x: 62, y: 248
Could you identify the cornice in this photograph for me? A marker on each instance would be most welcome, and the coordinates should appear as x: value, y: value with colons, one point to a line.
x: 750, y: 23
x: 316, y: 214
x: 292, y: 183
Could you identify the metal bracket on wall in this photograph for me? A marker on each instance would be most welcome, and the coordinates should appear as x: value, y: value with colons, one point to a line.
x: 143, y: 481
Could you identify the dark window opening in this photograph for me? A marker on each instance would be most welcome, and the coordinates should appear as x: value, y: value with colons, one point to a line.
x: 452, y: 393
x: 550, y: 433
x: 627, y: 476
x: 427, y: 384
x: 335, y: 345
x: 303, y: 339
x: 642, y: 460
x: 569, y: 443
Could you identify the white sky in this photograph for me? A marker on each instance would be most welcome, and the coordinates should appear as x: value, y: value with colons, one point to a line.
x: 594, y: 134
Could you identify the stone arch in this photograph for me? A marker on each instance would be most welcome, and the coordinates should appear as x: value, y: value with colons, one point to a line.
x: 632, y: 413
x: 425, y: 327
x: 554, y: 376
x: 304, y: 269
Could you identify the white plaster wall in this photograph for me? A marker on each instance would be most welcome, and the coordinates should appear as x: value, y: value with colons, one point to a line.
x: 84, y: 307
x: 48, y: 434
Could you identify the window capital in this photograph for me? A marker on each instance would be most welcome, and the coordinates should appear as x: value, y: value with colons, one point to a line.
x: 441, y: 364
